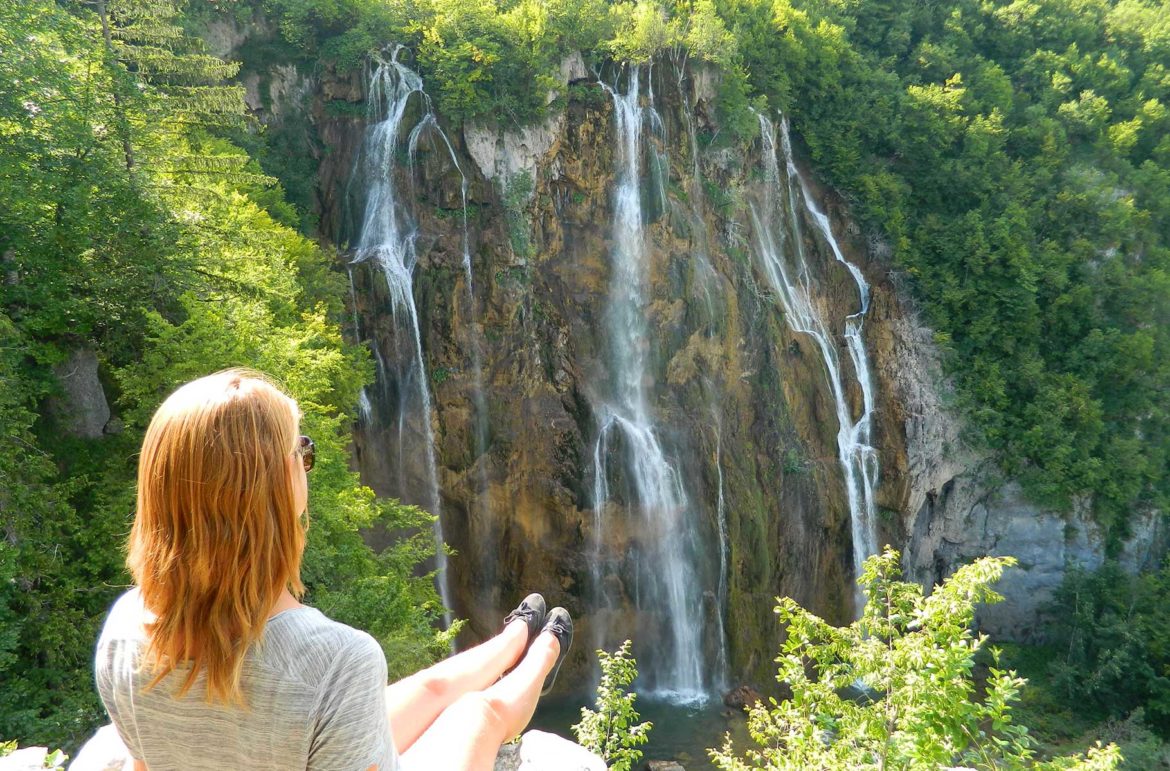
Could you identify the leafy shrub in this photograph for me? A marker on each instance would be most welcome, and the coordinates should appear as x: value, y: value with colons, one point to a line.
x: 895, y: 689
x: 612, y: 730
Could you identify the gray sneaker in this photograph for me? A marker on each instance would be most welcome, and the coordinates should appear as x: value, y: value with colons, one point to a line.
x: 560, y: 623
x: 532, y: 610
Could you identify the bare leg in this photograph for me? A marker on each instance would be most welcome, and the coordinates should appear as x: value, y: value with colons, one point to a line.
x: 468, y: 734
x: 414, y: 702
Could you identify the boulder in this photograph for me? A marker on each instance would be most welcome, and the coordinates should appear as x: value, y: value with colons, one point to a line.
x: 105, y: 751
x: 541, y: 751
x: 742, y: 697
x: 28, y: 759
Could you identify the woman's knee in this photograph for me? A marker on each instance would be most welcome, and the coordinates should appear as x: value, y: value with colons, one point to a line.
x: 493, y: 713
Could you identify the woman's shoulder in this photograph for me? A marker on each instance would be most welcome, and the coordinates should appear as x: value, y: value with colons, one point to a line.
x: 305, y: 640
x: 126, y: 619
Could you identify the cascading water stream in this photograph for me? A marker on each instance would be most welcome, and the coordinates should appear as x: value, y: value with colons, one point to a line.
x: 721, y: 592
x: 709, y: 283
x: 665, y: 573
x: 779, y: 240
x: 429, y: 122
x: 388, y: 238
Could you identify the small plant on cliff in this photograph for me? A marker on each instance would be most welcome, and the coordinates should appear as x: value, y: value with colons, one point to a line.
x: 613, y: 730
x: 517, y: 191
x: 896, y: 689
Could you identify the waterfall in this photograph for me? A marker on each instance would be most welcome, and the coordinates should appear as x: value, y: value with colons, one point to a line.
x: 388, y: 238
x: 781, y: 253
x: 663, y: 567
x: 721, y: 593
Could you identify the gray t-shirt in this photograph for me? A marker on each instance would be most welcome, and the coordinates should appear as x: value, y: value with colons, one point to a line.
x: 315, y: 692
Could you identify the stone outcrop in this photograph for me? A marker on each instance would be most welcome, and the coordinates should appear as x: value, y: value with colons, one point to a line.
x: 742, y: 697
x: 954, y: 505
x: 81, y: 410
x: 105, y: 751
x: 665, y: 765
x: 542, y: 751
x: 536, y: 751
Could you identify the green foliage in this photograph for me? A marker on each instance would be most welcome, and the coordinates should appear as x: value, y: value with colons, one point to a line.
x: 144, y: 240
x: 612, y: 730
x: 499, y: 61
x: 1006, y: 153
x: 896, y: 688
x: 642, y: 29
x: 1113, y: 634
x: 517, y: 191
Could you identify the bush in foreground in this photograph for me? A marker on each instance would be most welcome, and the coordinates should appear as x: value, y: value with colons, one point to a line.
x: 612, y: 730
x: 896, y: 689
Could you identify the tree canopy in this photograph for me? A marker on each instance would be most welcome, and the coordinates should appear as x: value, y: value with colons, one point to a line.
x: 130, y: 228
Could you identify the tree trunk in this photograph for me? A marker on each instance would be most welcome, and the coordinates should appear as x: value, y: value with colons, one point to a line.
x: 123, y: 123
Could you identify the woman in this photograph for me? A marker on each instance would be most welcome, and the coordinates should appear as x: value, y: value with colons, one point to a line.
x: 212, y: 662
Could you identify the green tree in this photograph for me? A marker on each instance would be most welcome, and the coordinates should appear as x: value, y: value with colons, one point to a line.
x: 129, y: 228
x: 1112, y: 631
x: 896, y: 688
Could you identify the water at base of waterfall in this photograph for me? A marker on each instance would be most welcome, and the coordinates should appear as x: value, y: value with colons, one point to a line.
x: 681, y: 732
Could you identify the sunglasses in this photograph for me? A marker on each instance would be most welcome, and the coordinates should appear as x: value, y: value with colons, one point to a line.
x: 307, y: 450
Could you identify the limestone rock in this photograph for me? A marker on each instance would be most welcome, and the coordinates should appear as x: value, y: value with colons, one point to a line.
x: 955, y: 504
x: 224, y: 35
x: 82, y: 409
x: 665, y: 765
x: 26, y: 759
x: 504, y: 155
x: 541, y: 751
x: 969, y: 519
x: 573, y: 68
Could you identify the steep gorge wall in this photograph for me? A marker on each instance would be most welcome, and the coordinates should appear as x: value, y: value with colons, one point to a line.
x: 743, y: 397
x: 732, y: 385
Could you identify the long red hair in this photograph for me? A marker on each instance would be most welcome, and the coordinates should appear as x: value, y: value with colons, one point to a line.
x: 217, y: 536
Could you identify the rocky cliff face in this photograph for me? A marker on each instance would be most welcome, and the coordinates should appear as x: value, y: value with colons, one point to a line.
x: 513, y: 360
x: 956, y: 505
x: 740, y: 397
